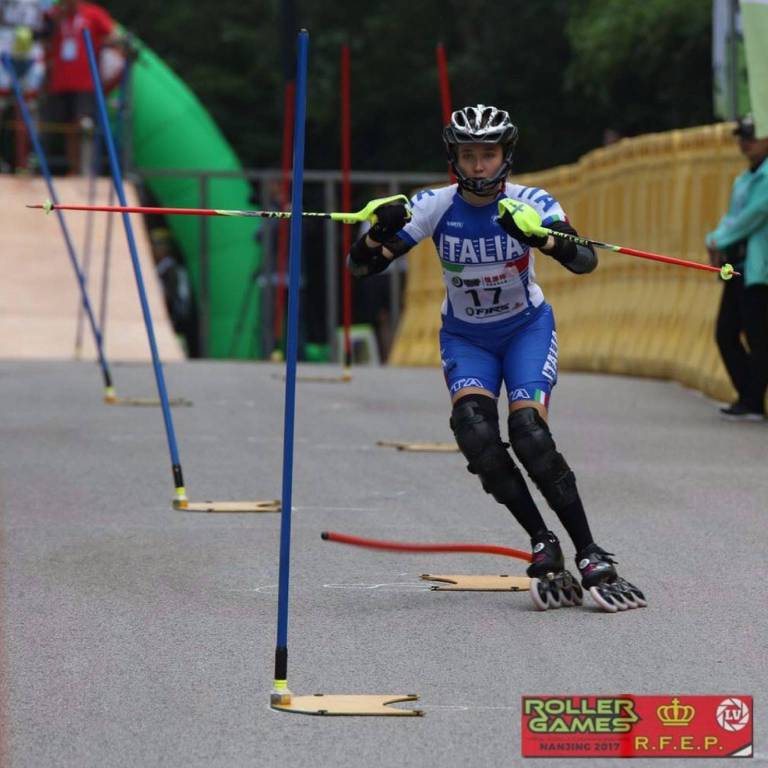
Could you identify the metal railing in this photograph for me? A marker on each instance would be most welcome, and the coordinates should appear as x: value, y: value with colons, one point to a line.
x: 394, y: 182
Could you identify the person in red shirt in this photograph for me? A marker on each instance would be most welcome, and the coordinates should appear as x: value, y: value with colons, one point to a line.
x: 70, y: 96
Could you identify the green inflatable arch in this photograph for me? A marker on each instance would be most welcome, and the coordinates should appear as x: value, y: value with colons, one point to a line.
x: 172, y: 129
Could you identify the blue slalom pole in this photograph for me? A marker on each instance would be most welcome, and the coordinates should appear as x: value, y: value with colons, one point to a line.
x: 109, y: 392
x: 117, y: 177
x: 280, y: 693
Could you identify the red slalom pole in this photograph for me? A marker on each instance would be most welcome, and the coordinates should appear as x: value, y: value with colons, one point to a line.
x: 445, y: 92
x: 346, y: 200
x: 283, y: 227
x: 399, y: 546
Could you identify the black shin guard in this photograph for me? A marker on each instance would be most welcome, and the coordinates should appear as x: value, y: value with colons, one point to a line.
x: 532, y: 443
x: 475, y: 423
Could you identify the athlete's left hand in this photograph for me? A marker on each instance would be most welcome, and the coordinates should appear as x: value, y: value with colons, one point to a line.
x: 522, y: 222
x: 390, y: 219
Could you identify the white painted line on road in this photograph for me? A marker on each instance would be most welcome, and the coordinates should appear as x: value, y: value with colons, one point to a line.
x: 267, y: 588
x: 377, y: 586
x: 464, y: 707
x: 339, y: 509
x: 343, y: 447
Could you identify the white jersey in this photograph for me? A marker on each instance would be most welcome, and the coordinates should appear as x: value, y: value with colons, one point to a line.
x: 489, y: 276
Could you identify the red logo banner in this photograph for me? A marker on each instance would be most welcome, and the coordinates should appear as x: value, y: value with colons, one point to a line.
x: 637, y: 726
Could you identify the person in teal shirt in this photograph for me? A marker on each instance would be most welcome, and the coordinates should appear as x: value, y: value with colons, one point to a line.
x: 741, y: 238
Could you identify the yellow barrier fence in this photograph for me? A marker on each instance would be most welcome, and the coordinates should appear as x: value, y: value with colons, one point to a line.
x: 659, y: 192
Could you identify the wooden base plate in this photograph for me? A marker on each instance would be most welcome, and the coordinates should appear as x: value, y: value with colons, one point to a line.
x: 502, y: 583
x: 344, y: 378
x: 350, y: 704
x: 272, y: 505
x: 420, y: 447
x: 146, y: 401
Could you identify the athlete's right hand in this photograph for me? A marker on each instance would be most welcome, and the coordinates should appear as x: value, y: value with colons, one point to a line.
x: 390, y: 219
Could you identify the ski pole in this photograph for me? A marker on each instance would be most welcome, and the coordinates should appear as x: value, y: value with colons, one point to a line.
x: 368, y: 213
x: 527, y: 218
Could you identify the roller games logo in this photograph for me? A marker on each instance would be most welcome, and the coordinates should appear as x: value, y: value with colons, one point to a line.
x: 637, y: 726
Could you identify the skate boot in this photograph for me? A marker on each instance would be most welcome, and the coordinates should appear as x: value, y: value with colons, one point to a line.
x: 608, y: 589
x: 551, y: 585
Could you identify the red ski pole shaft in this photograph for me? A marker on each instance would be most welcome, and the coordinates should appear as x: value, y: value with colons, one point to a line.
x: 638, y: 253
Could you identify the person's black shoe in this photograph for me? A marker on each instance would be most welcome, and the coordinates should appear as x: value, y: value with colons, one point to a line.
x: 739, y: 412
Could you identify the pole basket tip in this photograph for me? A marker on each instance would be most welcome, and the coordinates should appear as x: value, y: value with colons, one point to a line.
x: 726, y: 271
x: 48, y: 206
x: 324, y: 535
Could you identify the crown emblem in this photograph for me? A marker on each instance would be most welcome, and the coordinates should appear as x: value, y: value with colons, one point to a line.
x: 675, y: 714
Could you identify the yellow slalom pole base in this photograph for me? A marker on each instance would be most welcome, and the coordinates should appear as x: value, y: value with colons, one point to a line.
x: 459, y: 583
x: 420, y: 447
x: 349, y: 704
x: 241, y: 507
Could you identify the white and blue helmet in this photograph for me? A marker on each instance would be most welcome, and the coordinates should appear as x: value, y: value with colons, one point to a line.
x: 481, y: 125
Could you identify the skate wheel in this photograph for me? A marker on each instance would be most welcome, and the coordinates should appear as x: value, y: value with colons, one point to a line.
x: 556, y: 599
x: 629, y: 598
x: 539, y: 592
x: 637, y: 597
x: 569, y: 595
x: 569, y: 589
x: 577, y: 595
x: 605, y: 599
x: 622, y: 603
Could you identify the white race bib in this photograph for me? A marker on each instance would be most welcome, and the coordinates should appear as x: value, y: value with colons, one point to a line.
x: 68, y: 50
x: 486, y: 294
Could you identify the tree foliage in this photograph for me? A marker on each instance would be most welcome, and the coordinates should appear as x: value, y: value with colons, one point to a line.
x: 565, y: 69
x: 642, y: 66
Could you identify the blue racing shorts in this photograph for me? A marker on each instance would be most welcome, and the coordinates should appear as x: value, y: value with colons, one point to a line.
x: 524, y: 358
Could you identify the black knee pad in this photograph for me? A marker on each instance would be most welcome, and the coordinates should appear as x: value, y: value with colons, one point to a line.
x: 475, y: 424
x: 533, y: 444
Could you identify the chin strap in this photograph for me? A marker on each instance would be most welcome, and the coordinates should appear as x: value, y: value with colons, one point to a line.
x: 490, y: 194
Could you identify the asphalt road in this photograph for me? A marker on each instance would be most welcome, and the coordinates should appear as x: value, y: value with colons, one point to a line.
x: 134, y: 635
